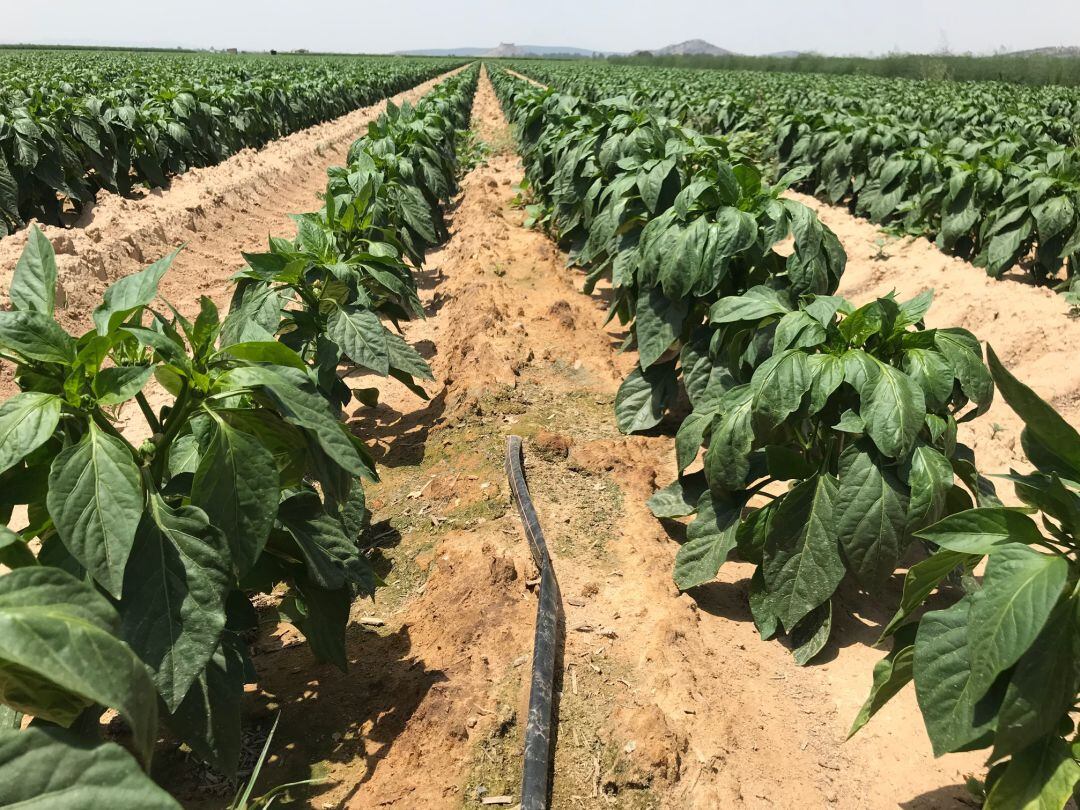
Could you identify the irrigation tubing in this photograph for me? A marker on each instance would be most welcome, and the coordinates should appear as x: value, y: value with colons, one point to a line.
x: 538, y: 738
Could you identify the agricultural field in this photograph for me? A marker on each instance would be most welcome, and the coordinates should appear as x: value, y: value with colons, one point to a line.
x: 74, y: 123
x: 794, y: 361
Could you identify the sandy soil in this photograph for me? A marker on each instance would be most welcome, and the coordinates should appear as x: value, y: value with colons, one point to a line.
x: 214, y: 212
x: 667, y: 701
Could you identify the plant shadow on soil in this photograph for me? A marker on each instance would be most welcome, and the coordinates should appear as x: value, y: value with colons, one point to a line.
x: 326, y: 716
x: 400, y: 438
x: 943, y: 798
x: 858, y: 618
x: 366, y: 708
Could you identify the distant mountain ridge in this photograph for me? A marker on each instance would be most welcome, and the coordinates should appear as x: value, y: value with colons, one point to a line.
x: 692, y: 47
x: 506, y: 49
x: 1058, y: 50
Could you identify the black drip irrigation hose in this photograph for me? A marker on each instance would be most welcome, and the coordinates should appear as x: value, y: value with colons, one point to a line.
x: 538, y: 737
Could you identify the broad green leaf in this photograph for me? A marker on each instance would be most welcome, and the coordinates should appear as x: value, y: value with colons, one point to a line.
x: 710, y: 537
x: 778, y: 386
x: 209, y: 717
x: 727, y: 460
x: 59, y: 653
x: 765, y: 619
x: 983, y: 531
x: 920, y: 581
x: 798, y: 330
x: 264, y: 351
x: 679, y: 498
x: 931, y: 477
x: 53, y: 769
x: 932, y: 373
x: 184, y: 455
x: 130, y: 293
x: 893, y: 411
x: 811, y: 634
x: 1042, y: 777
x: 753, y: 305
x: 95, y: 499
x: 891, y: 674
x: 1052, y: 431
x: 802, y: 564
x: 14, y: 551
x: 871, y: 515
x: 827, y: 373
x: 362, y: 336
x: 404, y: 358
x: 302, y: 406
x: 1043, y: 685
x: 236, y: 485
x: 332, y: 559
x: 659, y: 321
x: 173, y: 608
x: 27, y: 421
x: 962, y: 351
x: 690, y: 436
x: 36, y: 336
x: 33, y: 286
x: 914, y: 310
x: 643, y: 397
x: 120, y: 383
x: 1019, y: 592
x: 321, y: 615
x: 942, y: 672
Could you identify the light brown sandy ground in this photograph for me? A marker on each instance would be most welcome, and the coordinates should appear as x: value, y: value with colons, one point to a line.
x: 215, y: 212
x: 668, y: 700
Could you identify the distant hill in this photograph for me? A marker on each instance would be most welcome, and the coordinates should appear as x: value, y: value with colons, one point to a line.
x: 506, y: 49
x: 1060, y: 50
x: 692, y: 47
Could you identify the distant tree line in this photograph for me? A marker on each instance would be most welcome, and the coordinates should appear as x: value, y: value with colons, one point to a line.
x: 1035, y: 69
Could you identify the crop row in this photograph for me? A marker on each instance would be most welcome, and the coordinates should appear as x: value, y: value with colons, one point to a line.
x: 990, y: 172
x: 72, y: 123
x: 131, y: 581
x: 821, y: 443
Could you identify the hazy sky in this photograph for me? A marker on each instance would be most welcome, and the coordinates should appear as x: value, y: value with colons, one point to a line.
x: 829, y: 26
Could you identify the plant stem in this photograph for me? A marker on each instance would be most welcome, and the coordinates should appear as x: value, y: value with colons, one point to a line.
x: 148, y: 412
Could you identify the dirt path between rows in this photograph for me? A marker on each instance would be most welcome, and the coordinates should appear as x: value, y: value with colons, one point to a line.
x: 667, y: 701
x: 215, y: 212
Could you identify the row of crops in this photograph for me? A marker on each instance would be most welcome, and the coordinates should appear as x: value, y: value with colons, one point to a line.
x: 821, y: 443
x: 75, y: 122
x: 989, y: 171
x: 132, y: 580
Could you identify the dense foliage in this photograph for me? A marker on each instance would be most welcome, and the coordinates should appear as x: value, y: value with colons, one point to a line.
x: 990, y: 172
x: 999, y: 667
x: 74, y: 122
x: 1031, y: 69
x: 131, y: 580
x: 856, y: 408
